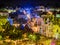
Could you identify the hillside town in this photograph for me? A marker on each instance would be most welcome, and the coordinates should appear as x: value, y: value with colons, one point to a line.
x: 39, y: 25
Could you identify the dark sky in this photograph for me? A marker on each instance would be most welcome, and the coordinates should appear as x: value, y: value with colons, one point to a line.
x: 14, y: 3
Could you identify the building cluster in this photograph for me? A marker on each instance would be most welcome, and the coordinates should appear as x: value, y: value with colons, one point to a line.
x: 32, y: 19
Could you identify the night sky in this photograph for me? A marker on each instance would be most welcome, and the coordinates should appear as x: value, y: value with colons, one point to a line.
x: 27, y: 3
